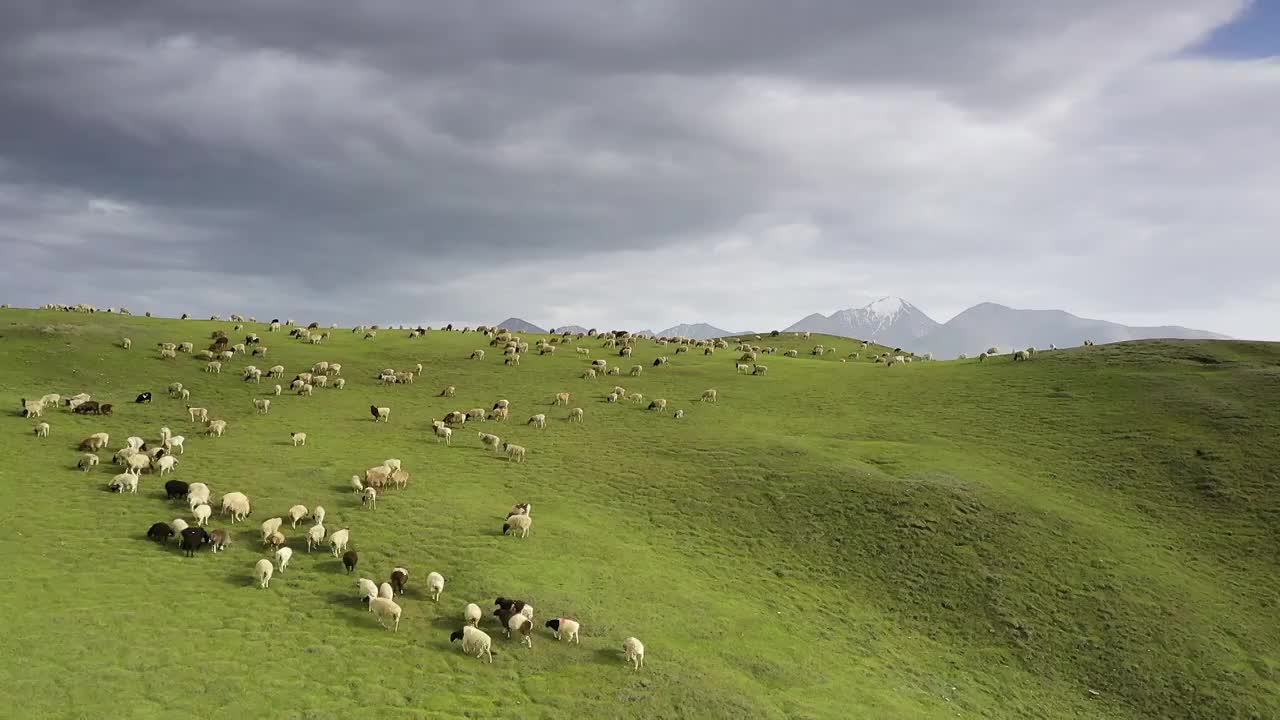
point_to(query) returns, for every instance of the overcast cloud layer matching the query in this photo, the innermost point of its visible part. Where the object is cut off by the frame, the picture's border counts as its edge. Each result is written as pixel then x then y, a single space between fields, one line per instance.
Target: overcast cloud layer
pixel 638 163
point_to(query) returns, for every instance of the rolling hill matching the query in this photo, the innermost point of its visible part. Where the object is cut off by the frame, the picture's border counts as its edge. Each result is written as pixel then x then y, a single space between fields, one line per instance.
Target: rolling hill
pixel 1094 533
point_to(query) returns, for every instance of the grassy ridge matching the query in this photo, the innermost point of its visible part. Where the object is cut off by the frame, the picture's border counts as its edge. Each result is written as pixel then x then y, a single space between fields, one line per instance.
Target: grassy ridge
pixel 1090 534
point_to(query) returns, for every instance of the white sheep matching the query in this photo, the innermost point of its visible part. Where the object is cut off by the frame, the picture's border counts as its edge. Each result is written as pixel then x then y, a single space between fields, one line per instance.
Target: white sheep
pixel 475 642
pixel 515 452
pixel 518 523
pixel 299 438
pixel 575 415
pixel 369 498
pixel 138 462
pixel 435 585
pixel 386 591
pixel 197 493
pixel 201 514
pixel 135 442
pixel 338 541
pixel 124 482
pixel 297 513
pixel 178 525
pixel 471 614
pixel 198 414
pixel 634 650
pixel 317 515
pixel 679 414
pixel 710 396
pixel 315 536
pixel 164 464
pixel 443 433
pixel 87 461
pixel 566 628
pixel 176 442
pixel 367 589
pixel 339 383
pixel 263 571
pixel 215 428
pixel 262 405
pixel 538 421
pixel 270 525
pixel 282 558
pixel 383 609
pixel 238 504
pixel 42 430
pixel 357 487
pixel 126 343
pixel 381 413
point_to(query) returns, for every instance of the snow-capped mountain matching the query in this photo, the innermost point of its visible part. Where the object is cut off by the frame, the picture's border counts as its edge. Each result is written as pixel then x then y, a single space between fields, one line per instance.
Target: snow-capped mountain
pixel 698 331
pixel 889 321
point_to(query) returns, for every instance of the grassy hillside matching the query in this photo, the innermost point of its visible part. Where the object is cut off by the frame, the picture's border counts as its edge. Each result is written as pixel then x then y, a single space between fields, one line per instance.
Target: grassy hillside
pixel 1094 533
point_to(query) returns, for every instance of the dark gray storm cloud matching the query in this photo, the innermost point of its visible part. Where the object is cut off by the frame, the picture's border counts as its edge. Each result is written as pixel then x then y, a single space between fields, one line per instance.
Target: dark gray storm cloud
pixel 634 163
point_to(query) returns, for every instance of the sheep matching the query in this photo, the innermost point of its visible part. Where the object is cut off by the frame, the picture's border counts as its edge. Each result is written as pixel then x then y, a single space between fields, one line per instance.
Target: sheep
pixel 443 433
pixel 636 397
pixel 176 489
pixel 493 442
pixel 126 343
pixel 164 464
pixel 338 541
pixel 435 585
pixel 198 414
pixel 475 641
pixel 380 413
pixel 197 492
pixel 192 540
pixel 561 399
pixel 661 360
pixel 576 415
pixel 306 389
pixel 512 620
pixel 500 414
pixel 477 355
pixel 760 370
pixel 710 396
pixel 384 608
pixel 317 515
pixel 566 627
pixel 455 417
pixel 216 428
pixel 275 371
pixel 178 442
pixel 634 651
pixel 369 498
pixel 270 526
pixel 298 438
pixel 335 369
pixel 42 430
pixel 201 514
pixel 743 368
pixel 366 589
pixel 33 408
pixel 386 591
pixel 518 523
pixel 615 370
pixel 982 357
pixel 538 421
pixel 514 452
pixel 274 540
pixel 357 486
pixel 449 391
pixel 679 414
pixel 377 476
pixel 238 504
pixel 283 556
pixel 471 614
pixel 87 461
pixel 399 578
pixel 349 560
pixel 658 404
pixel 168 355
pixel 159 532
pixel 134 442
pixel 219 540
pixel 400 479
pixel 95 442
pixel 263 571
pixel 1021 355
pixel 214 367
pixel 178 525
pixel 512 359
pixel 611 397
pixel 137 463
pixel 296 514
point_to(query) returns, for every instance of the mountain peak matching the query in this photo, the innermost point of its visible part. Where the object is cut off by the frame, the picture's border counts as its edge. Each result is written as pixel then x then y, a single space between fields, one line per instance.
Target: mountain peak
pixel 886 306
pixel 519 325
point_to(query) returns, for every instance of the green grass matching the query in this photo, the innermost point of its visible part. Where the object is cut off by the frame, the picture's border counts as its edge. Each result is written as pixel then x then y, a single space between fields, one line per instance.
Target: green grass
pixel 1094 533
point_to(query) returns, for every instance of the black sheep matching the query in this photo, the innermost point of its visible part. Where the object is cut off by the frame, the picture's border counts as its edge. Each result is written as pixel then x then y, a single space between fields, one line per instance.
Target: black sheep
pixel 87 407
pixel 350 559
pixel 143 398
pixel 176 489
pixel 160 532
pixel 398 580
pixel 192 539
pixel 373 409
pixel 105 409
pixel 512 606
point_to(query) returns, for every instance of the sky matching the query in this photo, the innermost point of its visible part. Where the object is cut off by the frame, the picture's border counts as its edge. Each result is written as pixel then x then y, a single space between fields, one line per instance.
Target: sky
pixel 641 163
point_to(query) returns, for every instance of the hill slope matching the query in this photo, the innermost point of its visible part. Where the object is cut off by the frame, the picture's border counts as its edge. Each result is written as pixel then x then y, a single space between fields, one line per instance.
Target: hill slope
pixel 1094 533
pixel 515 324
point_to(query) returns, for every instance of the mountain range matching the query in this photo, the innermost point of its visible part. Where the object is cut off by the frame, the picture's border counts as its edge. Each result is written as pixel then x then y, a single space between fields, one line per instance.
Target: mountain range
pixel 897 323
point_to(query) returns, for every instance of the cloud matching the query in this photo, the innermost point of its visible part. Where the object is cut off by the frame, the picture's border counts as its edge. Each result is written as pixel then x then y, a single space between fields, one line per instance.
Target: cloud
pixel 638 164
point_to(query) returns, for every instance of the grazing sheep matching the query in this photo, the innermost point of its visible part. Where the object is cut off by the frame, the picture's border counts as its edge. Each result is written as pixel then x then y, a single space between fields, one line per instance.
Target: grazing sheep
pixel 214 367
pixel 477 355
pixel 197 492
pixel 42 430
pixel 95 442
pixel 710 396
pixel 370 498
pixel 198 414
pixel 270 526
pixel 658 404
pixel 137 463
pixel 262 405
pixel 315 536
pixel 386 591
pixel 448 391
pixel 515 621
pixel 493 442
pixel 514 452
pixel 679 414
pixel 126 343
pixel 317 515
pixel 435 585
pixel 576 415
pixel 297 513
pixel 471 614
pixel 1021 355
pixel 176 441
pixel 216 428
pixel 634 651
pixel 636 370
pixel 475 642
pixel 282 558
pixel 566 627
pixel 760 370
pixel 274 540
pixel 159 532
pixel 338 541
pixel 380 413
pixel 201 514
pixel 538 421
pixel 357 486
pixel 299 438
pixel 743 368
pixel 143 398
pixel 443 433
pixel 518 523
pixel 366 589
pixel 192 540
pixel 87 461
pixel 263 571
pixel 176 489
pixel 306 389
pixel 219 540
pixel 384 609
pixel 349 560
pixel 982 357
pixel 399 578
pixel 165 464
pixel 561 399
pixel 238 504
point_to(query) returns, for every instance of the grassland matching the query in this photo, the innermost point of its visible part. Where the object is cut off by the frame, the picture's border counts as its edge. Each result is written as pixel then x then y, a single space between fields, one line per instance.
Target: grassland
pixel 1092 534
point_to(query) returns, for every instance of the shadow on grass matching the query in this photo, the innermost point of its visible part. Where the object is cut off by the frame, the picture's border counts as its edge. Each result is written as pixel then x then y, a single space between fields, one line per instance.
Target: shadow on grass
pixel 607 656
